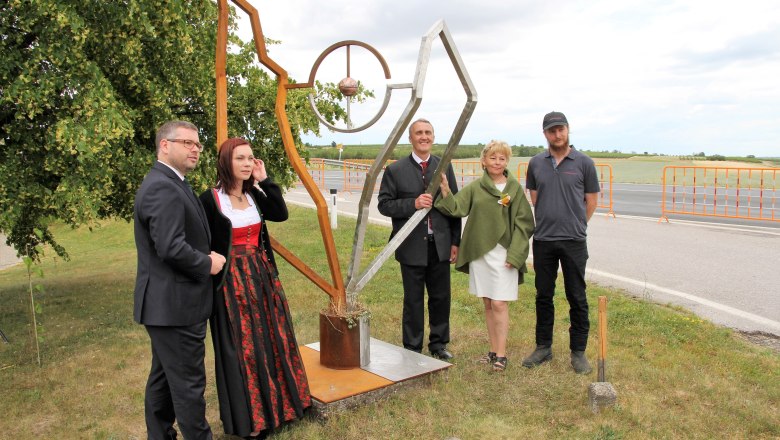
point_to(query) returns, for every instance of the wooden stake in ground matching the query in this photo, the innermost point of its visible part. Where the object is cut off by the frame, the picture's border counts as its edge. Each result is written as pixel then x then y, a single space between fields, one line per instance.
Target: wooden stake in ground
pixel 602 394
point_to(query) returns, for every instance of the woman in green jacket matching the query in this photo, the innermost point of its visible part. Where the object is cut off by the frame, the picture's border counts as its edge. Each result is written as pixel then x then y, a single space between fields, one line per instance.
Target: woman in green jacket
pixel 494 245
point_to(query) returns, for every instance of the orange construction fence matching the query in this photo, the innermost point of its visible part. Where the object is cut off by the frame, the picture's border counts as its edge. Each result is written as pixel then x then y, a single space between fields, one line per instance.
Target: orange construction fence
pixel 744 193
pixel 316 168
pixel 606 177
pixel 355 171
pixel 354 176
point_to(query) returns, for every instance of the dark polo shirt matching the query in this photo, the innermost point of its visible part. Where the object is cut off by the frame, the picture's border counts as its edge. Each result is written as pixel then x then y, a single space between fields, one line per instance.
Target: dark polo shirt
pixel 560 194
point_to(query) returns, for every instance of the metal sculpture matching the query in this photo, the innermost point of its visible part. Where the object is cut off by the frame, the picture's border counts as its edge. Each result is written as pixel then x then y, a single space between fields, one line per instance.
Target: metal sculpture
pixel 345 300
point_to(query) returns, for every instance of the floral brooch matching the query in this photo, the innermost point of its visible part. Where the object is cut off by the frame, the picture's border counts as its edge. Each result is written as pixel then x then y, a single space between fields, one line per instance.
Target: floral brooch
pixel 504 200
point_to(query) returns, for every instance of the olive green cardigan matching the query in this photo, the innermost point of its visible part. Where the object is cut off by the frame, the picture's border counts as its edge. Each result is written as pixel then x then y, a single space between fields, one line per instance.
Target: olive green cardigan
pixel 490 223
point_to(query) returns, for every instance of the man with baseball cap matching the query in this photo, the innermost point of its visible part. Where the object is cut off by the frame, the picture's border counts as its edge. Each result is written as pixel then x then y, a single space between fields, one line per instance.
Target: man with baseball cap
pixel 564 187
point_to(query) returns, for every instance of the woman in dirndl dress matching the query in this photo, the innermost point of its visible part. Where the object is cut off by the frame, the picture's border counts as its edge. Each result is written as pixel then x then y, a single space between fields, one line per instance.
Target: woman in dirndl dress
pixel 261 381
pixel 494 245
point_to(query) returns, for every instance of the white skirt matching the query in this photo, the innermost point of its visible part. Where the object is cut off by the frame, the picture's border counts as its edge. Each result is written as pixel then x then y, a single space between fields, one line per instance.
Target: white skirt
pixel 489 278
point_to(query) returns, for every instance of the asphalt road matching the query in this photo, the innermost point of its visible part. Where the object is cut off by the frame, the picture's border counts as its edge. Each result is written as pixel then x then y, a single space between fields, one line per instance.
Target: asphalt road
pixel 7 254
pixel 646 201
pixel 726 273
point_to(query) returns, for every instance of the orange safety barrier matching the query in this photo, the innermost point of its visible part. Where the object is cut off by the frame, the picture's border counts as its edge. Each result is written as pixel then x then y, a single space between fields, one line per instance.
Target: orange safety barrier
pixel 355 171
pixel 467 171
pixel 744 193
pixel 316 169
pixel 606 177
pixel 604 171
pixel 522 171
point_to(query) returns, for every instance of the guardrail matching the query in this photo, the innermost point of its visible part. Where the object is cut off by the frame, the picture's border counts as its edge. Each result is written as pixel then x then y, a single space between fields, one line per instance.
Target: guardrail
pixel 730 192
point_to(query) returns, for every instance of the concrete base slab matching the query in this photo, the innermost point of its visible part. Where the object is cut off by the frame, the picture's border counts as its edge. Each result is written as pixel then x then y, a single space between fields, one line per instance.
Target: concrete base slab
pixel 391 370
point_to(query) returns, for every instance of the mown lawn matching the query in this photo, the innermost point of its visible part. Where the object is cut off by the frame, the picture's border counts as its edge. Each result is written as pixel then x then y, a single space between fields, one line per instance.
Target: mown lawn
pixel 676 375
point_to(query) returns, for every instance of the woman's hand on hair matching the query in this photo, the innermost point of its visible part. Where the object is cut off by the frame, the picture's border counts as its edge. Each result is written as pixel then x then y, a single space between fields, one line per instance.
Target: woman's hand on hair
pixel 258 172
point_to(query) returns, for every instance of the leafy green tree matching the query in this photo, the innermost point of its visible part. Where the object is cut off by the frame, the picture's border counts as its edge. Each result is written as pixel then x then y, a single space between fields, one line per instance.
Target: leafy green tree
pixel 85 83
pixel 526 150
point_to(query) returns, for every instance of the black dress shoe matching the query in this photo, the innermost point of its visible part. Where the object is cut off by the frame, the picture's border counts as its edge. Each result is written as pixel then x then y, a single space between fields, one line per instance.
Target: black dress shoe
pixel 442 354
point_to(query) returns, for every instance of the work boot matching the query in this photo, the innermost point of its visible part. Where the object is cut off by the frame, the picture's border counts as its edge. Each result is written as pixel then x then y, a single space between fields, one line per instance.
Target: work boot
pixel 538 357
pixel 580 363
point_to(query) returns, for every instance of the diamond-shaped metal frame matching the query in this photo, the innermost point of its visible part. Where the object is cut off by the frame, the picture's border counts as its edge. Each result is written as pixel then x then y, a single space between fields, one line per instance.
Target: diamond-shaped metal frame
pixel 356 283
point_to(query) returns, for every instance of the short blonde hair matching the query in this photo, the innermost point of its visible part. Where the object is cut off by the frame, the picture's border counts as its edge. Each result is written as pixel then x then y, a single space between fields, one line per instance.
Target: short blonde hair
pixel 494 146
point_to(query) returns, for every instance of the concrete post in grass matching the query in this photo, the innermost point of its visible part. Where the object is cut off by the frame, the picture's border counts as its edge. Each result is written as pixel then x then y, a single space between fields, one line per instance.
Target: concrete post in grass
pixel 601 395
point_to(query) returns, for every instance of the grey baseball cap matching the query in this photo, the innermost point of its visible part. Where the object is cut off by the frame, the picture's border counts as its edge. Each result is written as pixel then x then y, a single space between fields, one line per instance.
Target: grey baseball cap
pixel 554 118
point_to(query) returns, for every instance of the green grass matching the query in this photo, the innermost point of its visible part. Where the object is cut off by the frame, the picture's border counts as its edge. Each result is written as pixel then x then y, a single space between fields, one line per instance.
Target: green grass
pixel 676 375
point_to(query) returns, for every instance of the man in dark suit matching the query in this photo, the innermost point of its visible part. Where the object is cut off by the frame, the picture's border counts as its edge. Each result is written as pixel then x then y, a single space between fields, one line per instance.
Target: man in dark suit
pixel 173 295
pixel 432 246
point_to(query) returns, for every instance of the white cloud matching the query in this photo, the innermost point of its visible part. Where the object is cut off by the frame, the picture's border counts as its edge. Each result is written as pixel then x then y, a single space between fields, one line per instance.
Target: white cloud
pixel 669 76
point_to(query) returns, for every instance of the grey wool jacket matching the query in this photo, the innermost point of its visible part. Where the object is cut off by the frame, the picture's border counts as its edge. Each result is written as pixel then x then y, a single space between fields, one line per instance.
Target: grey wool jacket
pixel 489 222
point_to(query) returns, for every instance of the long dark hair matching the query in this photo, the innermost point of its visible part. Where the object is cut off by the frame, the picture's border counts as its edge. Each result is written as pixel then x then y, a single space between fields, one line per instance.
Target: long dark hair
pixel 226 179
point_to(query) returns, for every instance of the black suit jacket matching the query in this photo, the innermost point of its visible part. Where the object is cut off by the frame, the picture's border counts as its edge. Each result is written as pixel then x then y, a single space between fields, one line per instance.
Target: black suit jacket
pixel 401 184
pixel 173 282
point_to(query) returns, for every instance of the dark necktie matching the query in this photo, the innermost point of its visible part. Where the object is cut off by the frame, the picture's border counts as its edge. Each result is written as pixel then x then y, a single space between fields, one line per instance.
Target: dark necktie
pixel 195 199
pixel 189 187
pixel 424 166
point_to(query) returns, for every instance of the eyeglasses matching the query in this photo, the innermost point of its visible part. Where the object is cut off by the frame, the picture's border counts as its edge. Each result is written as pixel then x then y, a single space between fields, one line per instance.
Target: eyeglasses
pixel 188 144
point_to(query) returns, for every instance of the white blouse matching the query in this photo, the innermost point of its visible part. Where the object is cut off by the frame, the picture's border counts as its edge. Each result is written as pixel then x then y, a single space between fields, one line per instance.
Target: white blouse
pixel 238 217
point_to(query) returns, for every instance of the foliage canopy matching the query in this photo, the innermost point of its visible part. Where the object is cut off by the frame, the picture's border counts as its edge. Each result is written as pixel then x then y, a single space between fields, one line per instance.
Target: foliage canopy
pixel 84 84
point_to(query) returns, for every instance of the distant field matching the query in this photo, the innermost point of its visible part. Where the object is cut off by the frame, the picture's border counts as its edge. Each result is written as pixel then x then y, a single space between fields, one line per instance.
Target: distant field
pixel 626 168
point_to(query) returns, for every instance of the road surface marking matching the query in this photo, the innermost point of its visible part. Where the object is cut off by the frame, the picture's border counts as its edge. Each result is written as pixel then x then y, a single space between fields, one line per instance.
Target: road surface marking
pixel 688 296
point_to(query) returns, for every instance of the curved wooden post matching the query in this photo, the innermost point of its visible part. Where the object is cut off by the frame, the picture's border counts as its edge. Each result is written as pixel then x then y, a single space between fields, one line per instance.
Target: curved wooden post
pixel 335 290
pixel 221 59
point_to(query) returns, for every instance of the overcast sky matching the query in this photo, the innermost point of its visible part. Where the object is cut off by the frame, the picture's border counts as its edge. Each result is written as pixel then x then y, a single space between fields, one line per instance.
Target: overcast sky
pixel 673 76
